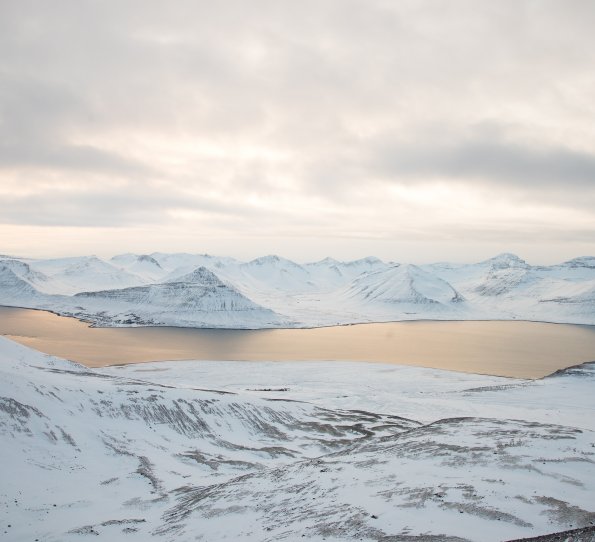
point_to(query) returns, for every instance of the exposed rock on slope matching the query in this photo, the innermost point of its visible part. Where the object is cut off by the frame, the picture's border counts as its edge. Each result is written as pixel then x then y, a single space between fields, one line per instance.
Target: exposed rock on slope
pixel 503 274
pixel 198 297
pixel 583 262
pixel 506 261
pixel 201 275
pixel 12 287
pixel 327 292
pixel 143 265
pixel 23 271
pixel 93 453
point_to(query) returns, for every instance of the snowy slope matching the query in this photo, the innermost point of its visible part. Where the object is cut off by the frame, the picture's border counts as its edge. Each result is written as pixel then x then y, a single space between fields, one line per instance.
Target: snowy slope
pixel 507 287
pixel 180 264
pixel 71 275
pixel 330 273
pixel 144 266
pixel 403 284
pixel 23 271
pixel 273 272
pixel 420 393
pixel 197 299
pixel 328 292
pixel 13 288
pixel 136 453
pixel 581 263
pixel 309 295
pixel 504 274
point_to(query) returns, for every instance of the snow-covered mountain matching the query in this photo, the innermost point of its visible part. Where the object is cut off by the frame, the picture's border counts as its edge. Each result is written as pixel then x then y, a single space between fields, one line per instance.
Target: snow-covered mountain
pixel 507 287
pixel 584 262
pixel 504 275
pixel 144 266
pixel 403 284
pixel 198 298
pixel 200 275
pixel 192 449
pixel 330 274
pixel 179 264
pixel 363 265
pixel 273 272
pixel 14 288
pixel 71 275
pixel 23 270
pixel 326 292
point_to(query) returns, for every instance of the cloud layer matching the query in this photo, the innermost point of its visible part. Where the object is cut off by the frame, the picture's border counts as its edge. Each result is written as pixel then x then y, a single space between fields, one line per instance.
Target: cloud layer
pixel 408 122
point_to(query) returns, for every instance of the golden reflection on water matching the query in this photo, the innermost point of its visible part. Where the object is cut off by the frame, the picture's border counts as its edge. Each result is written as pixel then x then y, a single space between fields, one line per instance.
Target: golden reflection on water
pixel 517 349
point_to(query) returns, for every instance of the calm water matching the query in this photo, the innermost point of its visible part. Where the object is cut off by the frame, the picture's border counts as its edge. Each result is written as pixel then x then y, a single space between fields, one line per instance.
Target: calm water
pixel 521 349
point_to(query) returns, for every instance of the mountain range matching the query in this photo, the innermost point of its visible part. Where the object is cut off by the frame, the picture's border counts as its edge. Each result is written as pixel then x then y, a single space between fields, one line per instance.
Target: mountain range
pixel 200 290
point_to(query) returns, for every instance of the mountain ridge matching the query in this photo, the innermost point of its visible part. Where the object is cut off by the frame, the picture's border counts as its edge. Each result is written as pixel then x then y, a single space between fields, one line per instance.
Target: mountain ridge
pixel 135 289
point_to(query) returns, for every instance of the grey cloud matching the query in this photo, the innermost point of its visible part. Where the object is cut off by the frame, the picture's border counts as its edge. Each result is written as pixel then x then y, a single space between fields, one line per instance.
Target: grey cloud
pixel 46 154
pixel 316 65
pixel 492 161
pixel 127 206
pixel 500 165
pixel 518 232
pixel 35 118
pixel 343 91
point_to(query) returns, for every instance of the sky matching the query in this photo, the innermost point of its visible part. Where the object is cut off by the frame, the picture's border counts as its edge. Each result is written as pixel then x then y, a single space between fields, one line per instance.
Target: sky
pixel 412 130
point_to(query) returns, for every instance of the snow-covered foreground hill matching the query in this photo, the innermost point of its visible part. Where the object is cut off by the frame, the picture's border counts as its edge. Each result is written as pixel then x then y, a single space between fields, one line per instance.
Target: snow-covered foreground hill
pixel 206 291
pixel 267 452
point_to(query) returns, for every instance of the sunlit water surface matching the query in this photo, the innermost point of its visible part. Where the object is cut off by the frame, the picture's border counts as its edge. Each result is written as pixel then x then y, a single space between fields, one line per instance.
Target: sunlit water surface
pixel 517 349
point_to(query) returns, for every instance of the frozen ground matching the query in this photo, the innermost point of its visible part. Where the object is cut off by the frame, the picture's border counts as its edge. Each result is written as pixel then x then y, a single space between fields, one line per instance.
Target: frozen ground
pixel 279 451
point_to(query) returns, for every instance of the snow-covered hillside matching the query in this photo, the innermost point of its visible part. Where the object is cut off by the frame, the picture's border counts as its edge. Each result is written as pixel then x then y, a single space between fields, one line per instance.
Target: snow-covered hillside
pixel 507 287
pixel 327 292
pixel 14 287
pixel 266 452
pixel 197 298
pixel 24 272
pixel 403 284
pixel 144 266
pixel 68 276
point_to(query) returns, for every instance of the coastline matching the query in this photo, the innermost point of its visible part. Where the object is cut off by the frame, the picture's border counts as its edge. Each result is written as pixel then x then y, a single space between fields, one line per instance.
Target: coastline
pixel 523 349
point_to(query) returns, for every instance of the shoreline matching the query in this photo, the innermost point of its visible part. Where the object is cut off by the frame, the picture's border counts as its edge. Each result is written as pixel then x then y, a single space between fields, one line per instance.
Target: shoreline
pixel 525 350
pixel 91 325
pixel 388 364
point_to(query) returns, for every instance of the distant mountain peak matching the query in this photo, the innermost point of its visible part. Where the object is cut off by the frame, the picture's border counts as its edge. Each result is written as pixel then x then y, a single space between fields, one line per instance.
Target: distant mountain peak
pixel 582 261
pixel 201 275
pixel 13 285
pixel 270 258
pixel 326 261
pixel 404 283
pixel 368 260
pixel 148 259
pixel 506 259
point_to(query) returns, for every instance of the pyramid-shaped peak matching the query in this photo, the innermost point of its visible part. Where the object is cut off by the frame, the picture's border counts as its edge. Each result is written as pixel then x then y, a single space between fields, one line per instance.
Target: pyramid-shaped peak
pixel 201 275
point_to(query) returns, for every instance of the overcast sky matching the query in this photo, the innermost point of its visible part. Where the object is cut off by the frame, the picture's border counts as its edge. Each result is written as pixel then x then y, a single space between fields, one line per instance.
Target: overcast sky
pixel 416 131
